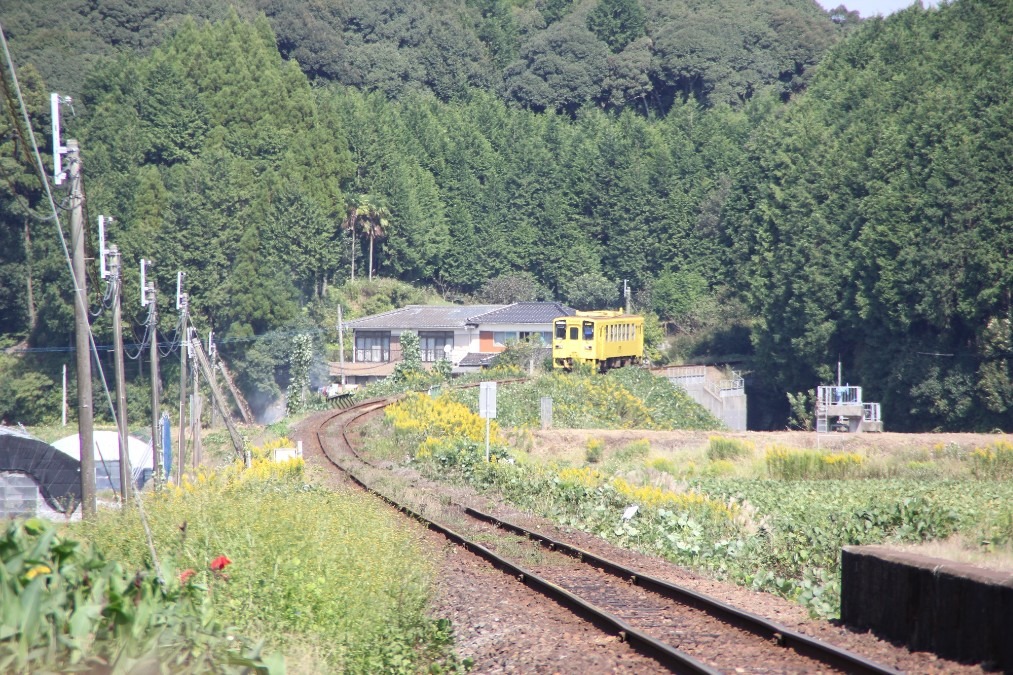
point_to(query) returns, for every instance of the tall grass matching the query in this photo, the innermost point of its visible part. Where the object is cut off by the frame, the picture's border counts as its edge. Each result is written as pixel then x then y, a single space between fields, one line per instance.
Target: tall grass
pixel 730 449
pixel 792 464
pixel 329 577
pixel 993 462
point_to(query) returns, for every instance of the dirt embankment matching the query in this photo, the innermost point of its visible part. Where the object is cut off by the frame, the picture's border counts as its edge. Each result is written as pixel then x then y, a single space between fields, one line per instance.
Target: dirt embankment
pixel 570 444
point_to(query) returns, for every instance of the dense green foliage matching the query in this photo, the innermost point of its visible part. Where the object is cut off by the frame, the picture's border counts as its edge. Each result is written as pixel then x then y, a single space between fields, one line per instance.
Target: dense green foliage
pixel 545 54
pixel 873 220
pixel 627 398
pixel 66 606
pixel 349 595
pixel 516 149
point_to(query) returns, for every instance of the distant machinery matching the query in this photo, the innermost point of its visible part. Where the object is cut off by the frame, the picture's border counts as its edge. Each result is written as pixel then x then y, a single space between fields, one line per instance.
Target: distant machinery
pixel 840 408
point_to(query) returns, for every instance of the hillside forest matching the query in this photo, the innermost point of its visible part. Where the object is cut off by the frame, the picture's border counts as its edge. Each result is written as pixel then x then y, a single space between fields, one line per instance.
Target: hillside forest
pixel 783 188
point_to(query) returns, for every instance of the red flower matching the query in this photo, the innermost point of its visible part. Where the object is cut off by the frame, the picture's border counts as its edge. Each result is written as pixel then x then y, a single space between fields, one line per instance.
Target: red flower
pixel 220 563
pixel 184 576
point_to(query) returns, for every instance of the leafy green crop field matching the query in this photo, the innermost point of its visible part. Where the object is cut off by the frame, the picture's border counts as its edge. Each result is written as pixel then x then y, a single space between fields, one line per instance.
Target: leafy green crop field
pixel 774 519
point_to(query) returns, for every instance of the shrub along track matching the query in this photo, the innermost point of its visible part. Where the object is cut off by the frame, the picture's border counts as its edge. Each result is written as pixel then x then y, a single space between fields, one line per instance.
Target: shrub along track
pixel 680 629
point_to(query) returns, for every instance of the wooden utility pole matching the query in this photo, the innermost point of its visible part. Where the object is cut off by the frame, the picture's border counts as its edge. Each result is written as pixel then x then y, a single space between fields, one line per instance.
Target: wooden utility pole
pixel 156 438
pixel 244 408
pixel 341 348
pixel 212 353
pixel 182 303
pixel 195 412
pixel 85 414
pixel 201 361
pixel 121 383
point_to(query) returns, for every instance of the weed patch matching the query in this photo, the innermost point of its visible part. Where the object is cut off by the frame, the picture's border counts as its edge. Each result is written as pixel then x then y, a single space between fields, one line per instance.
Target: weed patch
pixel 351 589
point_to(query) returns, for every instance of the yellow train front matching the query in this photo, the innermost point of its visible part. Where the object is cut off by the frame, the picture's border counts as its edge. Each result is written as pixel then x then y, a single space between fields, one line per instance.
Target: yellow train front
pixel 603 339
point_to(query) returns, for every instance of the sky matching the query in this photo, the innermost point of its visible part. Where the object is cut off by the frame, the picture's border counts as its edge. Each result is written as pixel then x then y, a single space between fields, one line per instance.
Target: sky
pixel 869 8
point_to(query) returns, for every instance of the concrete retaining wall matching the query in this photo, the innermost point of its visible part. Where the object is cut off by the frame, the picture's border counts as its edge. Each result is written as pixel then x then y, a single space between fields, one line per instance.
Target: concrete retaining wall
pixel 957 611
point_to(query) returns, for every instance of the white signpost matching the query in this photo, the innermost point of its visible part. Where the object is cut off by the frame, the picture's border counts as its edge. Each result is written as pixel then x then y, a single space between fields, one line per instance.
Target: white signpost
pixel 487 408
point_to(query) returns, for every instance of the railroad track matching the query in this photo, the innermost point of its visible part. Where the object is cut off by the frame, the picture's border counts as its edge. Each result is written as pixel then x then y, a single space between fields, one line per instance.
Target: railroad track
pixel 681 629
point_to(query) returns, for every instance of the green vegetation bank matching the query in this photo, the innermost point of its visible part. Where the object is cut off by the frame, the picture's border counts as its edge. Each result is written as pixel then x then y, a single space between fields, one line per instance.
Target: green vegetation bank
pixel 776 182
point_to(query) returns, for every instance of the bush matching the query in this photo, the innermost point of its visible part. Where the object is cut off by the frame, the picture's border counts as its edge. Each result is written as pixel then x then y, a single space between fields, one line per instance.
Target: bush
pixel 993 462
pixel 66 605
pixel 304 594
pixel 593 450
pixel 791 464
pixel 634 452
pixel 719 448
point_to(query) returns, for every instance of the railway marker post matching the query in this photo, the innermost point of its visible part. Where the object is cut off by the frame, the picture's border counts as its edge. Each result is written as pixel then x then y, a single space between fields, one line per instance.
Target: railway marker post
pixel 487 408
pixel 546 410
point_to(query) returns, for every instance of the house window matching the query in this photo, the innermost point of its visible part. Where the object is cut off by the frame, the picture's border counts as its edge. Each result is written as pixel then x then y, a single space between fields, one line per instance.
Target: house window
pixel 537 337
pixel 432 344
pixel 372 346
pixel 500 338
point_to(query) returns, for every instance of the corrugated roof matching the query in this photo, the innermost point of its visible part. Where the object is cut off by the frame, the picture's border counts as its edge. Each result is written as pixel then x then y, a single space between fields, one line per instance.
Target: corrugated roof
pixel 422 316
pixel 524 312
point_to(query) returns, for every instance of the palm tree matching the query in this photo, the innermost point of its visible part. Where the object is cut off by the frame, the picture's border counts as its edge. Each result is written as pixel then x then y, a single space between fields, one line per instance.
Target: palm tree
pixel 373 219
pixel 349 224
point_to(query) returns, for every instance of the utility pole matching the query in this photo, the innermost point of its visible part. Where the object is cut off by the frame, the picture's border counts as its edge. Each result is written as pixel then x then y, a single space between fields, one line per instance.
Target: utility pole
pixel 121 384
pixel 195 412
pixel 149 297
pixel 201 361
pixel 85 414
pixel 181 305
pixel 341 348
pixel 212 354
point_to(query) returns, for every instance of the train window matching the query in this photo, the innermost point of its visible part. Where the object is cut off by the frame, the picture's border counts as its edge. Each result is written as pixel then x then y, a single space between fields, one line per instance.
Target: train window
pixel 573 332
pixel 588 330
pixel 560 330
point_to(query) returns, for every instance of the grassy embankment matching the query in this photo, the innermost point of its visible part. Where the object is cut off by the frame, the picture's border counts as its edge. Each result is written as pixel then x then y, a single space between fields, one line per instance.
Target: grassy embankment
pixel 333 581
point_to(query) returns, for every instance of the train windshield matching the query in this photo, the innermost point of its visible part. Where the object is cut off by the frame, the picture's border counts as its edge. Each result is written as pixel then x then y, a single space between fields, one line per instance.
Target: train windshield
pixel 588 330
pixel 560 330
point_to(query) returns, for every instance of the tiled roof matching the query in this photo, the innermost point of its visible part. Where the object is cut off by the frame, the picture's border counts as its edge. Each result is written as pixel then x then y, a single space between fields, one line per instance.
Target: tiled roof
pixel 524 312
pixel 422 316
pixel 475 359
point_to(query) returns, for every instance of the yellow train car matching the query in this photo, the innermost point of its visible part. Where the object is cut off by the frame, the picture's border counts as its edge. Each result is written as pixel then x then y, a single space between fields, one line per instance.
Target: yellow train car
pixel 603 339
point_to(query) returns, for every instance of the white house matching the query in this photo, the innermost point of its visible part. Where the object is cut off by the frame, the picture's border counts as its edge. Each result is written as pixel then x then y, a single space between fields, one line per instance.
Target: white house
pixel 467 335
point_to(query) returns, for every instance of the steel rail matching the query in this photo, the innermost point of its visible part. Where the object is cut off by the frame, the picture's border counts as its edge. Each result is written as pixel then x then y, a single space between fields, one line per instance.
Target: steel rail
pixel 781 635
pixel 666 655
pixel 804 645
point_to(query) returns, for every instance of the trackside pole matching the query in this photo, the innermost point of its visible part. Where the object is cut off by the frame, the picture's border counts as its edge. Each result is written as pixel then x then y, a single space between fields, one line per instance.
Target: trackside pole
pixel 487 408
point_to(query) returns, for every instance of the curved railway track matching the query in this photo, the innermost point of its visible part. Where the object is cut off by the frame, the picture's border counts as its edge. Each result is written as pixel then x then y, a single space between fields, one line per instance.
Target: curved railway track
pixel 681 629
